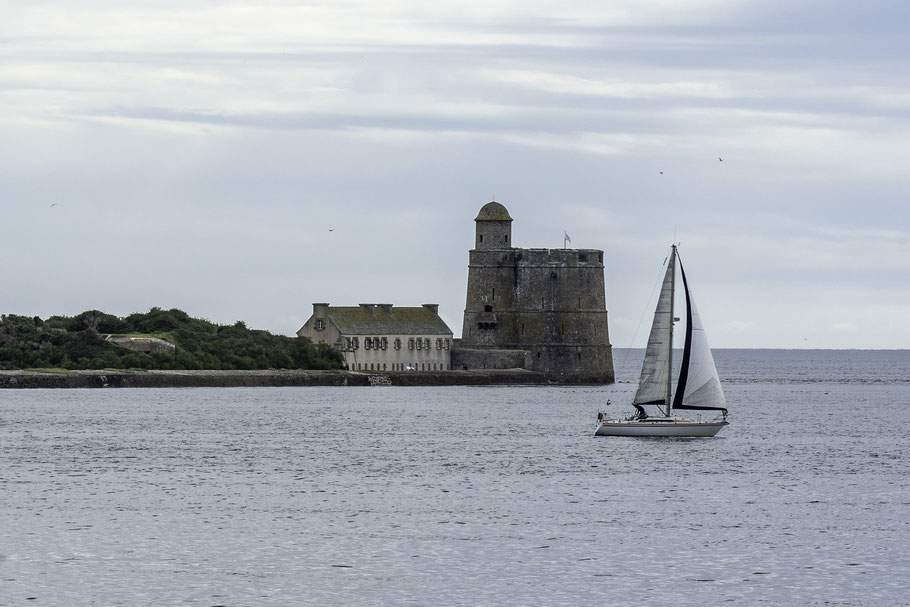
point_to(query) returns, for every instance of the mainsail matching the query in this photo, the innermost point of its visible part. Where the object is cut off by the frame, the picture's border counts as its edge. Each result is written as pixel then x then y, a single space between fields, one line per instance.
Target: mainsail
pixel 653 385
pixel 699 385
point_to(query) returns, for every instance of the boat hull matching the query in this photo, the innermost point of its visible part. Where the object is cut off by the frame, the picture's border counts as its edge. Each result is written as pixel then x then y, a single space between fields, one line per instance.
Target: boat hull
pixel 647 428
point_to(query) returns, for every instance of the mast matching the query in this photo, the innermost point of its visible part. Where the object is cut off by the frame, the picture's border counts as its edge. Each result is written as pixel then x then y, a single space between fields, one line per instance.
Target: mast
pixel 670 356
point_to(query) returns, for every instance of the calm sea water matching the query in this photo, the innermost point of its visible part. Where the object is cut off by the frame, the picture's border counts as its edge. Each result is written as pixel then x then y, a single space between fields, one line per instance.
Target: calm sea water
pixel 462 496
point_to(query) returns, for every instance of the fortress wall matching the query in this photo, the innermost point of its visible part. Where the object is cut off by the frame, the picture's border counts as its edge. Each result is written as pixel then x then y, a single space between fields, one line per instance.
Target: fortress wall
pixel 478 358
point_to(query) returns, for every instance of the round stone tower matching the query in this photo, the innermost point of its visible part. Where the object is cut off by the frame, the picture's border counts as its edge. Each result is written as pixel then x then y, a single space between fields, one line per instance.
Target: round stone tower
pixel 538 309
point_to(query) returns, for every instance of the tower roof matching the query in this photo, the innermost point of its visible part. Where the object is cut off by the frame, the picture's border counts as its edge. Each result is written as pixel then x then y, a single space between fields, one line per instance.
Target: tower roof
pixel 493 211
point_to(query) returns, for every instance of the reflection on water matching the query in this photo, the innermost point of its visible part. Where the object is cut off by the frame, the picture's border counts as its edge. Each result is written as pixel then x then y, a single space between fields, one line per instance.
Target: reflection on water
pixel 459 496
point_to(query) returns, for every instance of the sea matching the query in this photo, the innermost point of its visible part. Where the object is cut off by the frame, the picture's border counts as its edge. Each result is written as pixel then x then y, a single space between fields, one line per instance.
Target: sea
pixel 462 495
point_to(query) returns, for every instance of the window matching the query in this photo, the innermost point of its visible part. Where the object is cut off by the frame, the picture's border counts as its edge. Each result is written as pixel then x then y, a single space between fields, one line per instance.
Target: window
pixel 419 343
pixel 397 343
pixel 410 343
pixel 320 324
pixel 446 344
pixel 355 343
pixel 367 343
pixel 384 343
pixel 488 308
pixel 347 343
pixel 439 343
pixel 426 343
pixel 480 238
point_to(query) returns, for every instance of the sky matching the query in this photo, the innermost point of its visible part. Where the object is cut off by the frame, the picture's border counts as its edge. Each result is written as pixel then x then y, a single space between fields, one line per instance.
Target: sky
pixel 243 160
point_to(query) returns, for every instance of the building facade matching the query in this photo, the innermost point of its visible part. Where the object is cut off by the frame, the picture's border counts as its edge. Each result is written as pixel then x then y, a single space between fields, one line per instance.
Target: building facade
pixel 381 337
pixel 542 308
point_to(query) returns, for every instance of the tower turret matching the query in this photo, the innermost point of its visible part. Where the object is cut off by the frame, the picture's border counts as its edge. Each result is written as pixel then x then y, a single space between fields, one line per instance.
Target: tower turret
pixel 493 227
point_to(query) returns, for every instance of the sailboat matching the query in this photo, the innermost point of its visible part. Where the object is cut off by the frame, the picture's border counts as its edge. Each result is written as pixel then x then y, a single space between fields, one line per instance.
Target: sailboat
pixel 697 388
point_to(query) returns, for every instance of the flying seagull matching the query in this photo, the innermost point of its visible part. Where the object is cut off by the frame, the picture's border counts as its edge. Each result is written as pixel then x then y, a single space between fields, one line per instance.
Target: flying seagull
pixel 53 204
pixel 719 158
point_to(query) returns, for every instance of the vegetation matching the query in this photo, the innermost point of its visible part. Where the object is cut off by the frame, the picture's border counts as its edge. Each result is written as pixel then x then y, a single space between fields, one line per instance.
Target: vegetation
pixel 79 342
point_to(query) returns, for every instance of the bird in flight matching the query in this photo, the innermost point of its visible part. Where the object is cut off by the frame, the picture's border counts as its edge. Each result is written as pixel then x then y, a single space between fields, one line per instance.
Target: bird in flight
pixel 53 204
pixel 719 158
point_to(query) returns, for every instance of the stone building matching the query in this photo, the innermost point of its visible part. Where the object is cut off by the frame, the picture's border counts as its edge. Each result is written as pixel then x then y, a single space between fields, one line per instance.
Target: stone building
pixel 381 337
pixel 539 309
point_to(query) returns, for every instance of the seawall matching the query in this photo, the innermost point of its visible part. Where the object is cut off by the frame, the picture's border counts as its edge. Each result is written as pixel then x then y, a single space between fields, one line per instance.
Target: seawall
pixel 236 379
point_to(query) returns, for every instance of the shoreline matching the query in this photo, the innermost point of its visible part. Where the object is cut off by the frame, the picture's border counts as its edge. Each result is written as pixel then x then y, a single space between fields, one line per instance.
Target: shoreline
pixel 271 378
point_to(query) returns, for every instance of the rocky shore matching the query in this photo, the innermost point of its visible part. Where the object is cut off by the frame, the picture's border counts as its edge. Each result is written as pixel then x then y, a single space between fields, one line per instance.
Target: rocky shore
pixel 234 379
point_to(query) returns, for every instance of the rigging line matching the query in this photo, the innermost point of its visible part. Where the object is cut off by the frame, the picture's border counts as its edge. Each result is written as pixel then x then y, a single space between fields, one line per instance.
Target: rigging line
pixel 647 307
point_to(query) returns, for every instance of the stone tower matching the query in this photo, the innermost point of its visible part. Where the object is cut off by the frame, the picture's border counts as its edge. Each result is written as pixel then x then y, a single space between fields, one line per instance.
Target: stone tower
pixel 539 309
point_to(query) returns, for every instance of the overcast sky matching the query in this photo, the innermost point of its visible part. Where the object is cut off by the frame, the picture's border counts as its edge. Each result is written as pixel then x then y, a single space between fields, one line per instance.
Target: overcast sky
pixel 242 160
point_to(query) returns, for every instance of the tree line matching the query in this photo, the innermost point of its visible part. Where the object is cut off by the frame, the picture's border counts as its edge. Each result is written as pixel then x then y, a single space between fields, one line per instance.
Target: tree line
pixel 79 342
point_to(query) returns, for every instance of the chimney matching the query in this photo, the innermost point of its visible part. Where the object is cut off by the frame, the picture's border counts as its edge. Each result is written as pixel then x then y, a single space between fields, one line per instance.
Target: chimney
pixel 387 308
pixel 434 308
pixel 320 309
pixel 370 307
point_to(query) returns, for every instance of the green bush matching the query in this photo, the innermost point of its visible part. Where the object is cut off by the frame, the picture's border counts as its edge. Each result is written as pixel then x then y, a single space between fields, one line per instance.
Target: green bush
pixel 79 342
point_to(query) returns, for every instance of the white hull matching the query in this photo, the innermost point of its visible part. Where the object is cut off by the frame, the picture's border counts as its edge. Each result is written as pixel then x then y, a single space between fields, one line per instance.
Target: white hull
pixel 658 427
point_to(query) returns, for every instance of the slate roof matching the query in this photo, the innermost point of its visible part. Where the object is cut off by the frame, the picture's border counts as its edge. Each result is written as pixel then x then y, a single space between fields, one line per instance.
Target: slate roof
pixel 358 320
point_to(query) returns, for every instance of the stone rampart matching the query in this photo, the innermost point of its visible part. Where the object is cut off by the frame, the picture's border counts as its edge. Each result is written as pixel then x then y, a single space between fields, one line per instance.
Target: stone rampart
pixel 234 379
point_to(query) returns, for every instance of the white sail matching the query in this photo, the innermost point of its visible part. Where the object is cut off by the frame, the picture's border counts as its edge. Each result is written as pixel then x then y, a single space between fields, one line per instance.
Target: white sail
pixel 652 385
pixel 703 384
